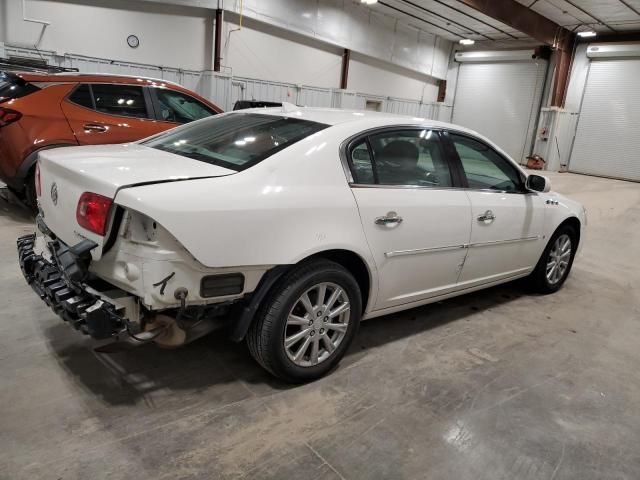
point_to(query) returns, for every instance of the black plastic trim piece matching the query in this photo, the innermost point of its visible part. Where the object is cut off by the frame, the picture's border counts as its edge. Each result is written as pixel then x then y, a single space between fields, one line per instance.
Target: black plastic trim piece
pixel 221 285
pixel 241 327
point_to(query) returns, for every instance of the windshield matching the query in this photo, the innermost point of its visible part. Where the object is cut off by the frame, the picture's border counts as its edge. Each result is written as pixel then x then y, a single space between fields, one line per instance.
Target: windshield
pixel 236 141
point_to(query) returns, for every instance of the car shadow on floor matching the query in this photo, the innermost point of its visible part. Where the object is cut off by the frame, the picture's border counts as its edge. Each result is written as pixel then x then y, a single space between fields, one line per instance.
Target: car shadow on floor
pixel 12 208
pixel 132 376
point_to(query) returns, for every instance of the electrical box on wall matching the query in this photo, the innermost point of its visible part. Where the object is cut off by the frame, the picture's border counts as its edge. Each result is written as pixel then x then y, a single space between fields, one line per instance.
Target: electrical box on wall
pixel 553 142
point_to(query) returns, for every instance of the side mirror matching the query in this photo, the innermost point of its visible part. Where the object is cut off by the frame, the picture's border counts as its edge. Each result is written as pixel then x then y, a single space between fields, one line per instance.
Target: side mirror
pixel 538 183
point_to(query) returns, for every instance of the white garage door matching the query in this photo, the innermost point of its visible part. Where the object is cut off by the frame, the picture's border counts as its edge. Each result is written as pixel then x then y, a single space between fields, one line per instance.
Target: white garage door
pixel 607 140
pixel 501 100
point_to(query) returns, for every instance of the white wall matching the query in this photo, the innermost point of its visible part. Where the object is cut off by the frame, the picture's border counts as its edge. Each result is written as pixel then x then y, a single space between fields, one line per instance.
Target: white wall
pixel 374 77
pixel 181 37
pixel 169 35
pixel 350 24
pixel 3 20
pixel 262 51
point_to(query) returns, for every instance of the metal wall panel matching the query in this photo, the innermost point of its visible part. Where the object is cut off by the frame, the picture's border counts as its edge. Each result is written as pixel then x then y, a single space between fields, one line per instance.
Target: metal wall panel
pixel 314 97
pixel 348 24
pixel 347 100
pixel 224 90
pixel 501 100
pixel 608 134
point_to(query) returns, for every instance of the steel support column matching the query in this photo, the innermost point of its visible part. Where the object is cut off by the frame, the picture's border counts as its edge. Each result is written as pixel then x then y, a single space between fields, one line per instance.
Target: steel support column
pixel 344 73
pixel 538 27
pixel 217 46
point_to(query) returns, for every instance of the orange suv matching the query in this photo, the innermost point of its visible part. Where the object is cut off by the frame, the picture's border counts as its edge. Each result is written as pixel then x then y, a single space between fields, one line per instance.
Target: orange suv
pixel 39 111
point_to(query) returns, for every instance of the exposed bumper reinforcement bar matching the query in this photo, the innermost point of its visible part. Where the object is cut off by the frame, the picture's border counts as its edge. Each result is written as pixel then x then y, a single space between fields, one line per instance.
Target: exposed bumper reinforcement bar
pixel 75 303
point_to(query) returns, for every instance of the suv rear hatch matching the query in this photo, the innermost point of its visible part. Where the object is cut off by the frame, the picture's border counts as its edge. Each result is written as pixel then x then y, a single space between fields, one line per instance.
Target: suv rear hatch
pixel 66 173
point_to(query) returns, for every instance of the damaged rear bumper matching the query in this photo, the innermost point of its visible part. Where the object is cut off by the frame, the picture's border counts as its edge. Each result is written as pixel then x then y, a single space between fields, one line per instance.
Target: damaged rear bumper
pixel 75 302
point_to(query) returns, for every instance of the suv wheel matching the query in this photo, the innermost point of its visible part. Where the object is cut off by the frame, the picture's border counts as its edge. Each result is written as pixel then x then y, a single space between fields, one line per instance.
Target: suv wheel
pixel 307 322
pixel 29 192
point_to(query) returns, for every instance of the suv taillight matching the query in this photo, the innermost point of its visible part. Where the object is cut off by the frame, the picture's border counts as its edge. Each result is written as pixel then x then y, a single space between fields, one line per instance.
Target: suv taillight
pixel 37 180
pixel 8 116
pixel 93 212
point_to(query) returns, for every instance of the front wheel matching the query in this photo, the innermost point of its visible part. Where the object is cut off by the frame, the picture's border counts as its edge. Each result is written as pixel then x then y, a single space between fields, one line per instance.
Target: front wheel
pixel 555 263
pixel 307 322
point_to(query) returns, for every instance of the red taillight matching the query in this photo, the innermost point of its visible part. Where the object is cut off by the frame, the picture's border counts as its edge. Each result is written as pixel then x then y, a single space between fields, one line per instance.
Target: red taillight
pixel 37 180
pixel 93 212
pixel 8 116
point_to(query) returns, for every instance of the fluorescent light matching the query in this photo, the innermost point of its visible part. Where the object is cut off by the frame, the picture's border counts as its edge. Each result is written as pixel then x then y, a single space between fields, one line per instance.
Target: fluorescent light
pixel 589 33
pixel 467 41
pixel 369 2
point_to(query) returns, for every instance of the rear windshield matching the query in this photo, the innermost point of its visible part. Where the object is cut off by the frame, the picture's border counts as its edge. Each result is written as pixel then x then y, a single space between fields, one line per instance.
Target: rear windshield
pixel 236 141
pixel 12 86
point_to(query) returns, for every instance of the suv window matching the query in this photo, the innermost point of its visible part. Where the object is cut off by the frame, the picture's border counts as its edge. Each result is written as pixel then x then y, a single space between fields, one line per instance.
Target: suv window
pixel 180 108
pixel 484 167
pixel 82 96
pixel 403 157
pixel 12 86
pixel 121 100
pixel 235 141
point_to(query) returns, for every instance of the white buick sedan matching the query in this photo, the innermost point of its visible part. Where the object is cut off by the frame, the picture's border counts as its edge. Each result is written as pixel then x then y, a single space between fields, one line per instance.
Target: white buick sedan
pixel 286 227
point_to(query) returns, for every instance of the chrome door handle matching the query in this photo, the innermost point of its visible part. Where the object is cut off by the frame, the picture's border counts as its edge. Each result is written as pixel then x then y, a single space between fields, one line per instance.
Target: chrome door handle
pixel 390 218
pixel 487 216
pixel 93 127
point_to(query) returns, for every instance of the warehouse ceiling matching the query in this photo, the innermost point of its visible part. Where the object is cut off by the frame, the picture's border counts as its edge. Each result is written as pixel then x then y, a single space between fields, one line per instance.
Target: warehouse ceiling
pixel 454 20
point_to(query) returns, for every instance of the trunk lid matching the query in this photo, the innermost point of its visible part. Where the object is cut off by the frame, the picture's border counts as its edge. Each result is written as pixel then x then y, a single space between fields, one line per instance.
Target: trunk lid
pixel 66 173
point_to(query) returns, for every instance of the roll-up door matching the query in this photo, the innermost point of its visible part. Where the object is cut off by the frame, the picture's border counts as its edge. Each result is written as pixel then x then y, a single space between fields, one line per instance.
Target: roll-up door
pixel 607 141
pixel 501 100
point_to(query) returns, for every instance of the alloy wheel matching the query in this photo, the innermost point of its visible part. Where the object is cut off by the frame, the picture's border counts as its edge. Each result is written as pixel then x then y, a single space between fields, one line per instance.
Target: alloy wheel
pixel 558 260
pixel 317 324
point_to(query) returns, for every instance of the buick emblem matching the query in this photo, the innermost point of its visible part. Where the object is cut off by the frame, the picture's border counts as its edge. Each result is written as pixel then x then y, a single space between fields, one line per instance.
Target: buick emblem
pixel 54 193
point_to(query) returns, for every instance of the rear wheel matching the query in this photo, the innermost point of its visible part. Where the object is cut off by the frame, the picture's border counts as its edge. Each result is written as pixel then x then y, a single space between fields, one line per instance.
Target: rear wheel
pixel 307 322
pixel 29 192
pixel 555 263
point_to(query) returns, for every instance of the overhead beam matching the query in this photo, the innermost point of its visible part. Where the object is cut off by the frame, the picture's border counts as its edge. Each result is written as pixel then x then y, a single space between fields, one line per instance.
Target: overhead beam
pixel 539 28
pixel 524 20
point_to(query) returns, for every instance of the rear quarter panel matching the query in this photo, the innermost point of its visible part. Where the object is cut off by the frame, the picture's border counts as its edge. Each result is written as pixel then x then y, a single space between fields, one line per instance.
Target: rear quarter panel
pixel 42 125
pixel 286 208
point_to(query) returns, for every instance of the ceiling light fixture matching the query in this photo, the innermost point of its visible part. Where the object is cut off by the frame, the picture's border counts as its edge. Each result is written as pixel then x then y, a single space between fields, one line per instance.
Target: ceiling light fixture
pixel 369 2
pixel 467 41
pixel 589 33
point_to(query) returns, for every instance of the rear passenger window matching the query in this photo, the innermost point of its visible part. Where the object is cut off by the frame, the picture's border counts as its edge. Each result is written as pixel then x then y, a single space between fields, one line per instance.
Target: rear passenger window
pixel 361 164
pixel 82 96
pixel 402 157
pixel 122 100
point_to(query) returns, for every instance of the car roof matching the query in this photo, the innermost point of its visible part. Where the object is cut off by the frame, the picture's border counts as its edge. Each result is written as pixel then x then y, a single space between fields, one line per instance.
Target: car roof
pixel 335 116
pixel 77 77
pixel 91 77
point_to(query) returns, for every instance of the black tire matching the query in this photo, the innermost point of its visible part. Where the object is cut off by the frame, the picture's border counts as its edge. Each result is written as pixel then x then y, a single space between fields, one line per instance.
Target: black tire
pixel 29 192
pixel 266 335
pixel 538 280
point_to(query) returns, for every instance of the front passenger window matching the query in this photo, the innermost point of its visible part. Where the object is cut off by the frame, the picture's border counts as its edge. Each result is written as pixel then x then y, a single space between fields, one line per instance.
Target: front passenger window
pixel 179 108
pixel 484 168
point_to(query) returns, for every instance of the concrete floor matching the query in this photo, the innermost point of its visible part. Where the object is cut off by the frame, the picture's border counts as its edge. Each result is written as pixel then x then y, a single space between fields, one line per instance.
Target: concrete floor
pixel 496 384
